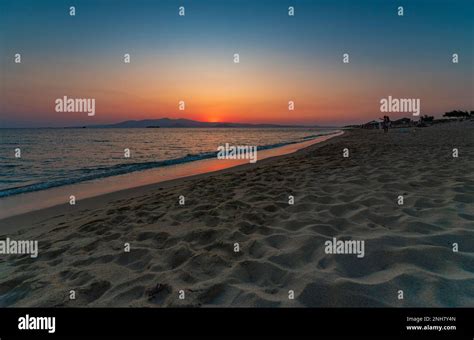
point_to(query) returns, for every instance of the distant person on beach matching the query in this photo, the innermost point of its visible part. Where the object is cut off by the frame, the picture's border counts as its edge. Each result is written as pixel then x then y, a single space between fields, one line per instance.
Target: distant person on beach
pixel 385 123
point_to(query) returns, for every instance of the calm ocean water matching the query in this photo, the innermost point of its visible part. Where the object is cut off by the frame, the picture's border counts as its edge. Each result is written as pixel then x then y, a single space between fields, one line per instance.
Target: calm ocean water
pixel 56 157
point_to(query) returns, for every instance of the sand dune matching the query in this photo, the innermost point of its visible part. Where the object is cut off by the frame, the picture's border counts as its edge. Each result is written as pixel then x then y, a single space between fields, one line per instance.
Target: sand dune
pixel 191 247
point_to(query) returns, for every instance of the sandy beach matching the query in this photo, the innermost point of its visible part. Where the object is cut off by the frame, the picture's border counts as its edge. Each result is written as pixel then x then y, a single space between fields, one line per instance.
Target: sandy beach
pixel 190 247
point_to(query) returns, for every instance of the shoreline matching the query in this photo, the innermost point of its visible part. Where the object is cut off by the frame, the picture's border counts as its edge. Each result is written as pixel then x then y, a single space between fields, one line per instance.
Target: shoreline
pixel 129 167
pixel 147 180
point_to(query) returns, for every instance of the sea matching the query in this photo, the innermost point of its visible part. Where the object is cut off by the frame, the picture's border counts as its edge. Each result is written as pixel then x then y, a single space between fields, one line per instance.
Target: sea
pixel 38 159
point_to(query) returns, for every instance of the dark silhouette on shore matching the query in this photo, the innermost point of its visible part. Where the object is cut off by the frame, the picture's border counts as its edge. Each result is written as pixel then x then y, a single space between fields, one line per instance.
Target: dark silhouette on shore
pixel 423 121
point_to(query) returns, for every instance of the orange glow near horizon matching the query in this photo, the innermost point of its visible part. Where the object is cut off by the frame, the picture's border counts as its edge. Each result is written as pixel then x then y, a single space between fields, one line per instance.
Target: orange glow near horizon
pixel 257 92
pixel 212 119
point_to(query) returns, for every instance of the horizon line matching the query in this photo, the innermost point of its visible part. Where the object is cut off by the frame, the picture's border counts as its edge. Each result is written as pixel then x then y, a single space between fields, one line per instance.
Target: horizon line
pixel 199 121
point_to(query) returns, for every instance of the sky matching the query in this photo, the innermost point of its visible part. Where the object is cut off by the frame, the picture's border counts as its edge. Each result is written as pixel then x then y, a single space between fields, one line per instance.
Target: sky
pixel 191 58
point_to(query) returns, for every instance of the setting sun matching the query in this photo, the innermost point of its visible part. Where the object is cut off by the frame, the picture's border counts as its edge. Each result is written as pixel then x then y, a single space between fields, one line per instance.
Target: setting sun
pixel 212 119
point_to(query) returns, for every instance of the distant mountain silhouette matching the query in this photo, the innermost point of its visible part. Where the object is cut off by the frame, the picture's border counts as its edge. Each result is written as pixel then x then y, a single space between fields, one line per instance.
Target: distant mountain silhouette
pixel 184 123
